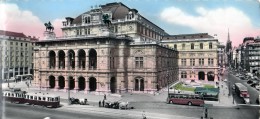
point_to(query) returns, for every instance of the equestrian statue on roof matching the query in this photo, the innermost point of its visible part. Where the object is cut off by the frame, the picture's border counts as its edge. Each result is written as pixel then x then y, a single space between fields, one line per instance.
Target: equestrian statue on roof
pixel 106 20
pixel 49 27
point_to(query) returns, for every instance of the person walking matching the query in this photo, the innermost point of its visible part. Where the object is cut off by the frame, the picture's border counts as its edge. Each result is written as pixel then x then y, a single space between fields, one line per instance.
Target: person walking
pixel 103 103
pixel 99 103
pixel 105 97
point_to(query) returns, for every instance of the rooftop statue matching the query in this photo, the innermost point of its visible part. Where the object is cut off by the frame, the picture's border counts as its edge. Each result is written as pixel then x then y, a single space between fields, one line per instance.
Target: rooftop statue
pixel 49 27
pixel 106 20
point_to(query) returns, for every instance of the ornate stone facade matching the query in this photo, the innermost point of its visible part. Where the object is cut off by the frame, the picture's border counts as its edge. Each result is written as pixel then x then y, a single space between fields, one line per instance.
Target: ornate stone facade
pixel 198 56
pixel 104 64
pixel 124 56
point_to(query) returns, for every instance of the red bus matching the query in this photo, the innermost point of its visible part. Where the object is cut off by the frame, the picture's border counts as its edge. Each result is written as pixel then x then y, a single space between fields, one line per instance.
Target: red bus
pixel 242 91
pixel 185 99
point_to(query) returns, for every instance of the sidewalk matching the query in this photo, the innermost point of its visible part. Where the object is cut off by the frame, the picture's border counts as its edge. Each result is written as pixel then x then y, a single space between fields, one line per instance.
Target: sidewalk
pixel 224 99
pixel 120 113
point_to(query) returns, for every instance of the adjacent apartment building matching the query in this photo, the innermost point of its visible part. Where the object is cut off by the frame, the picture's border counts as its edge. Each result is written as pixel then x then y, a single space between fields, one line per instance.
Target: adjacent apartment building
pixel 198 55
pixel 16 55
pixel 123 55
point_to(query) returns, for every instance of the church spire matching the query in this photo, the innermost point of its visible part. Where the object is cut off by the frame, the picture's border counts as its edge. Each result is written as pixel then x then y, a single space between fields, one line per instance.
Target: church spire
pixel 228 36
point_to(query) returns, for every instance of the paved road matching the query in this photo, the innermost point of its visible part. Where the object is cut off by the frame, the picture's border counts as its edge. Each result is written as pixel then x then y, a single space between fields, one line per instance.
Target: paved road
pixel 252 91
pixel 21 111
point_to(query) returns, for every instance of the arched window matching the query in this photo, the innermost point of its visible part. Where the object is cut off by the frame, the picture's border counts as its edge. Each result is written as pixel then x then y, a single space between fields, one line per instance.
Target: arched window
pixel 210 45
pixel 201 45
pixel 192 46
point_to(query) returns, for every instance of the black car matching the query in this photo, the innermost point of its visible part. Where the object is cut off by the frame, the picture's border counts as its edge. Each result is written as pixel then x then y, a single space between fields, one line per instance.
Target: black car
pixel 74 101
pixel 249 82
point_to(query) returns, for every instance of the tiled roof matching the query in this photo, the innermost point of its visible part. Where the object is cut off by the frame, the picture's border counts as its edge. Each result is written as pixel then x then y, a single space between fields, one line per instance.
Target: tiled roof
pixel 14 34
pixel 118 9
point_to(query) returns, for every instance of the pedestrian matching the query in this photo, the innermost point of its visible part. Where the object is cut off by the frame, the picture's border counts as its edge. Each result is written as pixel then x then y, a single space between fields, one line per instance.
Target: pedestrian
pixel 105 97
pixel 103 103
pixel 99 103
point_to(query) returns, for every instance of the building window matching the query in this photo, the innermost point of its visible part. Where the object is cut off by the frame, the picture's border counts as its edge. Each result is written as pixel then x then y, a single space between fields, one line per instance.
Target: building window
pixel 87 31
pixel 183 74
pixel 192 46
pixel 175 46
pixel 192 62
pixel 201 62
pixel 26 44
pixel 210 62
pixel 183 46
pixel 21 44
pixel 78 32
pixel 11 43
pixel 201 45
pixel 87 20
pixel 16 43
pixel 183 62
pixel 210 45
pixel 138 62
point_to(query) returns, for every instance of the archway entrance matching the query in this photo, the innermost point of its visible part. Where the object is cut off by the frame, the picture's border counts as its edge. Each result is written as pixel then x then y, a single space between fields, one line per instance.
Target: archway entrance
pixel 139 84
pixel 71 83
pixel 113 85
pixel 92 84
pixel 81 83
pixel 61 59
pixel 92 59
pixel 61 82
pixel 201 75
pixel 51 81
pixel 52 59
pixel 211 76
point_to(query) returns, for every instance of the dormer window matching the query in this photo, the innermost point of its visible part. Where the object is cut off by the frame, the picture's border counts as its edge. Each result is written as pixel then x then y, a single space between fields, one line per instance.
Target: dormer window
pixel 130 15
pixel 87 19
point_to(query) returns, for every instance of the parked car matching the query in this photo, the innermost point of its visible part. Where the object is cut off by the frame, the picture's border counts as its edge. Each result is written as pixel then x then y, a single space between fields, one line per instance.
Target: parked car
pixel 249 82
pixel 74 101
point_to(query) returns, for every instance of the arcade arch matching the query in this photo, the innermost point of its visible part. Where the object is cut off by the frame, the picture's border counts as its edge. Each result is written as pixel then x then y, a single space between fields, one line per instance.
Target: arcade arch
pixel 92 84
pixel 201 75
pixel 113 85
pixel 92 59
pixel 61 82
pixel 61 55
pixel 52 59
pixel 51 81
pixel 210 76
pixel 81 83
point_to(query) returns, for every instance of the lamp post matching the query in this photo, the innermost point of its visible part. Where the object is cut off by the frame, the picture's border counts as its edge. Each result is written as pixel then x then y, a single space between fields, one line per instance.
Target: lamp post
pixel 69 77
pixel 167 76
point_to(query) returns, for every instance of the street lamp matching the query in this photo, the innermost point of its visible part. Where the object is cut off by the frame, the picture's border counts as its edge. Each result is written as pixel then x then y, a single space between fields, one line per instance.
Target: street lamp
pixel 69 78
pixel 167 76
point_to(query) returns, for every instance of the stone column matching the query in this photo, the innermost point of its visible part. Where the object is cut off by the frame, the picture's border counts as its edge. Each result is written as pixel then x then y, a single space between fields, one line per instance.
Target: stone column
pixel 67 63
pixel 57 62
pixel 66 84
pixel 76 88
pixel 56 84
pixel 76 61
pixel 86 86
pixel 206 76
